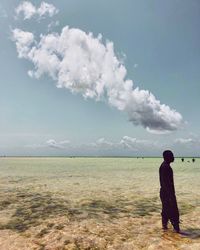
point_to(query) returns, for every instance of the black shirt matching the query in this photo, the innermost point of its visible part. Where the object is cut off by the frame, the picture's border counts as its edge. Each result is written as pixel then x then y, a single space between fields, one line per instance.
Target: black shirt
pixel 166 180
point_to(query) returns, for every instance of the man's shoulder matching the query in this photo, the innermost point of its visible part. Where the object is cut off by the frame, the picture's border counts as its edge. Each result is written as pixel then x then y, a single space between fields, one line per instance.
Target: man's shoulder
pixel 164 166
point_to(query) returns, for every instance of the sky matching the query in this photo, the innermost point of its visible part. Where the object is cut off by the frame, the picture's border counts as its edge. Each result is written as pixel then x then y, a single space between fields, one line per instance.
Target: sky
pixel 99 78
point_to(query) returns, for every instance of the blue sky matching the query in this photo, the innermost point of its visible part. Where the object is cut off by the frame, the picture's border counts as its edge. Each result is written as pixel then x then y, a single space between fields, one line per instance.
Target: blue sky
pixel 98 110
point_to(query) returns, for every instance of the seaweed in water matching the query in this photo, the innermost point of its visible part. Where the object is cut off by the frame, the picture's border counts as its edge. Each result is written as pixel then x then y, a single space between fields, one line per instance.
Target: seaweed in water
pixel 32 208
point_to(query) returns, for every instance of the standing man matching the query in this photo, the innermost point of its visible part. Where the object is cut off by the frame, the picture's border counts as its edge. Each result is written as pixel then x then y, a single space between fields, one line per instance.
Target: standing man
pixel 167 193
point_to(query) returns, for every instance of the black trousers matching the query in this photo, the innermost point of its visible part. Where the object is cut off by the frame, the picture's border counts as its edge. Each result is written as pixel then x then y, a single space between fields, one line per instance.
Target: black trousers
pixel 169 210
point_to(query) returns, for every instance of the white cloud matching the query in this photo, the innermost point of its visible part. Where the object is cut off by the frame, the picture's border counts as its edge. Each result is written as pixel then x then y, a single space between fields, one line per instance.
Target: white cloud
pixel 28 10
pixel 99 144
pixel 47 9
pixel 126 146
pixel 52 144
pixel 187 146
pixel 103 142
pixel 84 64
pixel 59 145
pixel 137 144
pixel 126 143
pixel 186 140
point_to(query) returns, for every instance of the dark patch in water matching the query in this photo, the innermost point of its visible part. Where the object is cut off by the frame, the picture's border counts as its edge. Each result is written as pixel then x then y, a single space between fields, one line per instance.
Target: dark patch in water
pixel 94 207
pixel 146 206
pixel 185 208
pixel 32 208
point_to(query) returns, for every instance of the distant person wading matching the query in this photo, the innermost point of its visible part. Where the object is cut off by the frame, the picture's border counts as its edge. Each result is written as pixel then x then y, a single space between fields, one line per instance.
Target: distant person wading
pixel 167 193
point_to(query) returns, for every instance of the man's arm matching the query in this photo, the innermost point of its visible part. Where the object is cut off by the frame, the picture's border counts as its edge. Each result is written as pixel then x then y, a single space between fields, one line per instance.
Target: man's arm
pixel 166 178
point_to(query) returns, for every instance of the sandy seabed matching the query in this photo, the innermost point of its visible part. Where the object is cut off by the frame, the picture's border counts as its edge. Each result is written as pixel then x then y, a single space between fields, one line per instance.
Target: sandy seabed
pixel 94 203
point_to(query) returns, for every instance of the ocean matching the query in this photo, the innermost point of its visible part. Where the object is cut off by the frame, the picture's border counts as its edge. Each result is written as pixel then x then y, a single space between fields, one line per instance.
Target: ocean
pixel 94 203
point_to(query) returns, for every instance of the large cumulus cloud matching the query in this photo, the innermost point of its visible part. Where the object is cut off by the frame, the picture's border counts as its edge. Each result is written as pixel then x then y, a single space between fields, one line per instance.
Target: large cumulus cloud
pixel 86 65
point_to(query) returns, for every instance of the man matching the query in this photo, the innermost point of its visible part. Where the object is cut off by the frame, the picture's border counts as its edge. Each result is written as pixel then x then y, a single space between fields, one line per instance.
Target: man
pixel 167 193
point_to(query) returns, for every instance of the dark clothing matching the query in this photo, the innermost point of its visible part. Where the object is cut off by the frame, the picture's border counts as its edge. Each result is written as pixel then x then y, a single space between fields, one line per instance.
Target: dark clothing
pixel 167 196
pixel 166 180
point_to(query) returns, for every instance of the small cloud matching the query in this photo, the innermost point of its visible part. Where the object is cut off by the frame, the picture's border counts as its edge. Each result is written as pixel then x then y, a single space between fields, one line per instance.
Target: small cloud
pixel 190 145
pixel 52 144
pixel 59 145
pixel 185 140
pixel 135 65
pixel 47 9
pixel 103 142
pixel 137 144
pixel 125 143
pixel 28 10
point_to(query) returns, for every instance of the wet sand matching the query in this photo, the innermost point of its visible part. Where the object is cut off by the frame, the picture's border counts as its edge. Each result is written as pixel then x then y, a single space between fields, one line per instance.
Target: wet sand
pixel 94 203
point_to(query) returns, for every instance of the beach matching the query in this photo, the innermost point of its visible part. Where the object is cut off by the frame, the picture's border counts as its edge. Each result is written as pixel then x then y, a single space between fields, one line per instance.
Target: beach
pixel 94 203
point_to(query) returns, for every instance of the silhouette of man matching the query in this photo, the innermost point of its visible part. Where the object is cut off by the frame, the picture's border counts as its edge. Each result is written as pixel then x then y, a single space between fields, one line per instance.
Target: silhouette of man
pixel 167 193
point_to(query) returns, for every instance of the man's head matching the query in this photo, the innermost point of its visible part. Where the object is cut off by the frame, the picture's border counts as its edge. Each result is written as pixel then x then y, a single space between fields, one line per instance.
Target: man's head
pixel 168 156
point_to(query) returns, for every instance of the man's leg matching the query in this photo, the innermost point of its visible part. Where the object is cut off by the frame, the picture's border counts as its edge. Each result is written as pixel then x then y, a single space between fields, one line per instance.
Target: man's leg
pixel 174 215
pixel 164 222
pixel 165 212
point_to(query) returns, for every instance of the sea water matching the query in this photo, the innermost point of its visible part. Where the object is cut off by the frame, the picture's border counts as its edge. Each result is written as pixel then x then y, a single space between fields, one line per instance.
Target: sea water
pixel 94 203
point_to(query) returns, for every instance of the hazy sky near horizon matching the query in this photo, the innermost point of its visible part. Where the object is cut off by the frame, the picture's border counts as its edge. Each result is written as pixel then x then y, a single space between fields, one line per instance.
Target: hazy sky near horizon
pixel 99 77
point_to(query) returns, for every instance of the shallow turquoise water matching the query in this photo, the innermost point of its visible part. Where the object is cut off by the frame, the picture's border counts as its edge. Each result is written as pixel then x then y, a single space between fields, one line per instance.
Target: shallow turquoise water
pixel 79 178
pixel 114 196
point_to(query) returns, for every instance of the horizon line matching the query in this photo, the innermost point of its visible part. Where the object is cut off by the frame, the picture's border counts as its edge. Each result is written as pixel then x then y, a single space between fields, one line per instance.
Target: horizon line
pixel 87 156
